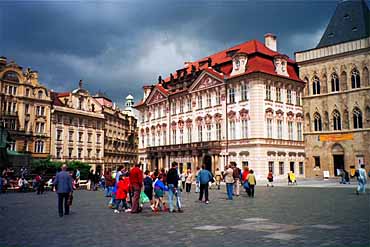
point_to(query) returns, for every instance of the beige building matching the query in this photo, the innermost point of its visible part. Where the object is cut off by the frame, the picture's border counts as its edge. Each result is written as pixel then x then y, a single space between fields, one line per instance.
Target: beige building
pixel 77 128
pixel 239 105
pixel 337 95
pixel 120 133
pixel 25 109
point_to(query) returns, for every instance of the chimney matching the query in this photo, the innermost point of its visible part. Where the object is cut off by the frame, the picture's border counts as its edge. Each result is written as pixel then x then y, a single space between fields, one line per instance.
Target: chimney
pixel 270 41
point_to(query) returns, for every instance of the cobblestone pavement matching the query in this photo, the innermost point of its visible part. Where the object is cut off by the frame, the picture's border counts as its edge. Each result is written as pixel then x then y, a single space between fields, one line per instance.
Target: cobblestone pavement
pixel 279 216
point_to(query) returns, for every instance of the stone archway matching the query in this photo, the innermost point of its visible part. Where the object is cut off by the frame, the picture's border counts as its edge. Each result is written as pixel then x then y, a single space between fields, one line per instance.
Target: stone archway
pixel 338 158
pixel 207 161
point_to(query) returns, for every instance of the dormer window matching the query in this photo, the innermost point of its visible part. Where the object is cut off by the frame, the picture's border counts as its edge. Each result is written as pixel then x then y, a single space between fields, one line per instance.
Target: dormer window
pixel 239 63
pixel 281 65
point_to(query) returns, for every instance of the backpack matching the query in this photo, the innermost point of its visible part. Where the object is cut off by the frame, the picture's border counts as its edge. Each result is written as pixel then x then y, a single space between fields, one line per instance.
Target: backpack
pixel 357 173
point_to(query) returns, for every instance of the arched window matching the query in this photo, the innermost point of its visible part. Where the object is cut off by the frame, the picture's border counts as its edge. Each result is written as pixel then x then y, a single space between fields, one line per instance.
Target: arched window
pixel 11 76
pixel 315 86
pixel 334 82
pixel 357 118
pixel 337 120
pixel 39 94
pixel 317 122
pixel 355 78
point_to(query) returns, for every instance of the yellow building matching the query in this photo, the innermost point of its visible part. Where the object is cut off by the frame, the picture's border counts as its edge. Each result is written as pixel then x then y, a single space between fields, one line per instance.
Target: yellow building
pixel 25 109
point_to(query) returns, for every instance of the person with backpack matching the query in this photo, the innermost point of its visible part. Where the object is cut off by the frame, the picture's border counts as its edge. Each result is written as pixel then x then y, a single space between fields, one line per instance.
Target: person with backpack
pixel 203 179
pixel 148 187
pixel 173 190
pixel 229 180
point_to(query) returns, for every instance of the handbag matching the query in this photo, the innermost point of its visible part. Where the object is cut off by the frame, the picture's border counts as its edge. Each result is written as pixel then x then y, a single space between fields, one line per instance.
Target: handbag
pixel 246 185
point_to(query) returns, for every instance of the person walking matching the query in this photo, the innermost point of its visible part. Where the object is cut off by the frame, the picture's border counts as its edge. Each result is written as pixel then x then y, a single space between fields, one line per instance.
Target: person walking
pixel 78 178
pixel 229 180
pixel 218 176
pixel 236 176
pixel 90 179
pixel 362 179
pixel 196 180
pixel 270 179
pixel 121 194
pixel 148 187
pixel 136 181
pixel 183 179
pixel 252 182
pixel 109 183
pixel 244 179
pixel 203 179
pixel 63 185
pixel 189 181
pixel 173 190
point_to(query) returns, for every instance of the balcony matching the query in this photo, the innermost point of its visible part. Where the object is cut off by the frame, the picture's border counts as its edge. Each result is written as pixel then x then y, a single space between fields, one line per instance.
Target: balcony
pixel 10 113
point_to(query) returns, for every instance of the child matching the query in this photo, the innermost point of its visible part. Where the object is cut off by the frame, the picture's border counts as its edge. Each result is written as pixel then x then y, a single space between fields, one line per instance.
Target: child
pixel 121 194
pixel 159 189
pixel 148 188
pixel 270 179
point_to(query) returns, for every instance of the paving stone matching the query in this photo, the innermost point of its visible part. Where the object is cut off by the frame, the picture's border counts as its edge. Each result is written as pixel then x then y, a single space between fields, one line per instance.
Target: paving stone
pixel 209 228
pixel 282 236
pixel 255 219
pixel 326 227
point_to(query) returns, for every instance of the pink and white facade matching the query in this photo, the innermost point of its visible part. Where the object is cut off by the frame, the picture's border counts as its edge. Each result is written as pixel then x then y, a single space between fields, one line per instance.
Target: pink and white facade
pixel 240 105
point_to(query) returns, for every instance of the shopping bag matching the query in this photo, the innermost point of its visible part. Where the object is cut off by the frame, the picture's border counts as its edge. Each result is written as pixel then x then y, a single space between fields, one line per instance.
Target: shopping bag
pixel 246 185
pixel 143 198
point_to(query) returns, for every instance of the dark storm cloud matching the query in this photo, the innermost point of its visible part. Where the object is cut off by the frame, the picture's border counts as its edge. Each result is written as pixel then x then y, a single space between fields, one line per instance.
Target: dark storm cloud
pixel 118 46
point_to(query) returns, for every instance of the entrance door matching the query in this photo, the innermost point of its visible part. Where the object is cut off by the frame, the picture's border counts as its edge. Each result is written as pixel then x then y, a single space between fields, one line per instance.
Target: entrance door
pixel 208 162
pixel 292 166
pixel 338 163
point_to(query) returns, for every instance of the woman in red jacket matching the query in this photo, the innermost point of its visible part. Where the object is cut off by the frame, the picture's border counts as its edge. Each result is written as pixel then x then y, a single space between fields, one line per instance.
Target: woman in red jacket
pixel 121 194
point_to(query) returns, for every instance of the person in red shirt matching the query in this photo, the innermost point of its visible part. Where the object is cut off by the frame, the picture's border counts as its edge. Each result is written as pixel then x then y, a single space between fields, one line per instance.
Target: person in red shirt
pixel 121 194
pixel 244 178
pixel 136 182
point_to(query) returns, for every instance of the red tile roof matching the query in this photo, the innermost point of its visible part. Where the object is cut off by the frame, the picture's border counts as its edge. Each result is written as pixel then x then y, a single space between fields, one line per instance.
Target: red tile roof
pixel 260 59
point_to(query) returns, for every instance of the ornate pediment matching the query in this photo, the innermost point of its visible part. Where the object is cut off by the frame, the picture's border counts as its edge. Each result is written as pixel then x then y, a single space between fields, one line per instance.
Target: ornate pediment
pixel 155 96
pixel 205 81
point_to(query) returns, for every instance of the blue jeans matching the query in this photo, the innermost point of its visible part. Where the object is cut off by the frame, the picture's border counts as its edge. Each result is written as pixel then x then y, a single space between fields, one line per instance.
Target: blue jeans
pixel 118 203
pixel 229 190
pixel 108 191
pixel 177 194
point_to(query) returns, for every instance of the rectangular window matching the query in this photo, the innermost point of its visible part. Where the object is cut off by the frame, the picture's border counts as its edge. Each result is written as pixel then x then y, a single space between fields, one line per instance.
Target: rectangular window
pixel 232 129
pixel 301 168
pixel 290 130
pixel 89 153
pixel 80 136
pixel 268 92
pixel 298 99
pixel 281 168
pixel 189 104
pixel 189 130
pixel 148 139
pixel 173 108
pixel 159 111
pixel 218 131
pixel 70 136
pixel 200 133
pixel 278 94
pixel 299 132
pixel 209 132
pixel 269 128
pixel 173 136
pixel 59 135
pixel 209 100
pixel 70 151
pixel 181 136
pixel 159 138
pixel 317 161
pixel 289 96
pixel 153 139
pixel 200 103
pixel 244 128
pixel 89 137
pixel 26 109
pixel 218 98
pixel 59 151
pixel 164 137
pixel 181 106
pixel 279 129
pixel 80 153
pixel 231 95
pixel 97 138
pixel 271 167
pixel 244 92
pixel 98 153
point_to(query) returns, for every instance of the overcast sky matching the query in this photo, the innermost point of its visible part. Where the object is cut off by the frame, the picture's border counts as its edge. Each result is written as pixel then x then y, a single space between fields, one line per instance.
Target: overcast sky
pixel 118 46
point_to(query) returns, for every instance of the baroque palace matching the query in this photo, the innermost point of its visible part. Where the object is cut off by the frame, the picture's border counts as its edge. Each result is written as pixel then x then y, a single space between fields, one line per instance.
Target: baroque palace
pixel 25 109
pixel 337 94
pixel 239 105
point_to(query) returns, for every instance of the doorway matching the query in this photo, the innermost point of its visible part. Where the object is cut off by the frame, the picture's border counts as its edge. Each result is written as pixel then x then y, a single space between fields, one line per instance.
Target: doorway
pixel 207 161
pixel 338 163
pixel 292 167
